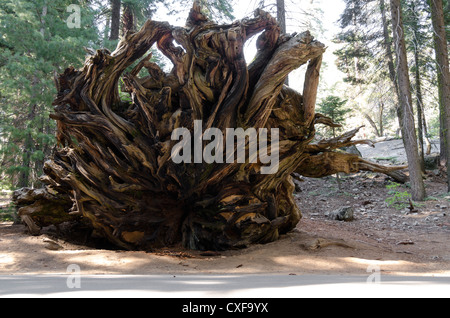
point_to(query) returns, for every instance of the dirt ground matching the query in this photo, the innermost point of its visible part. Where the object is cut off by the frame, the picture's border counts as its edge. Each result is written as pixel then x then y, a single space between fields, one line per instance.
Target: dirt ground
pixel 394 240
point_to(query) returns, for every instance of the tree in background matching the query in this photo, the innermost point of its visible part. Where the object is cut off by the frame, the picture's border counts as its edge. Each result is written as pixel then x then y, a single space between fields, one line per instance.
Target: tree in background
pixel 405 109
pixel 128 15
pixel 365 56
pixel 419 43
pixel 220 10
pixel 115 20
pixel 334 107
pixel 352 57
pixel 35 42
pixel 443 75
pixel 294 15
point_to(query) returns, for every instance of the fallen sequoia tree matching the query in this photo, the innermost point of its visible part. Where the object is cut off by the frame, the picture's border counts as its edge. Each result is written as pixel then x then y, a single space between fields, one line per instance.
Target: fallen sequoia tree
pixel 140 173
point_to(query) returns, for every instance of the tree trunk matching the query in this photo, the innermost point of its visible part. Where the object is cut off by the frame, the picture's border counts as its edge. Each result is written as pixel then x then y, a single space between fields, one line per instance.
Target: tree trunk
pixel 420 110
pixel 127 19
pixel 426 134
pixel 24 176
pixel 387 43
pixel 165 168
pixel 380 119
pixel 115 20
pixel 372 123
pixel 441 48
pixel 406 115
pixel 281 15
pixel 281 19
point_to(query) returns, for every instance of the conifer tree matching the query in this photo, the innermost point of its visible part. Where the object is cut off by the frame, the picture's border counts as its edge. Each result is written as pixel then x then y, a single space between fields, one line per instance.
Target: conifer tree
pixel 38 40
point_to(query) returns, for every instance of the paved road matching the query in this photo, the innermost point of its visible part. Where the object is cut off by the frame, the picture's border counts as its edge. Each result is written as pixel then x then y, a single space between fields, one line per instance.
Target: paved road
pixel 250 286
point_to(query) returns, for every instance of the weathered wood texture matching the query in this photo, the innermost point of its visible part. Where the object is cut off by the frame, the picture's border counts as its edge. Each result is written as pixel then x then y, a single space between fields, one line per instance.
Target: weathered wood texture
pixel 113 168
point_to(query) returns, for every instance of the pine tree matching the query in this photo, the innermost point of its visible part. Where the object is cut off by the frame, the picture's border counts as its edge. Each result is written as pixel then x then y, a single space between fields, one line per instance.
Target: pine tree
pixel 405 110
pixel 335 108
pixel 366 58
pixel 37 42
pixel 418 38
pixel 442 62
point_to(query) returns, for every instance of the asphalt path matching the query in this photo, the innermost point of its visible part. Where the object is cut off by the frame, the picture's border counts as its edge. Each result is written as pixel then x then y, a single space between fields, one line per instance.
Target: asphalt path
pixel 223 286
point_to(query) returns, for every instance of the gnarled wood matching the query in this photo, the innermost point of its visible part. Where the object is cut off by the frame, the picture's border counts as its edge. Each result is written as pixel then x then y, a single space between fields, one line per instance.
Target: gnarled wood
pixel 114 167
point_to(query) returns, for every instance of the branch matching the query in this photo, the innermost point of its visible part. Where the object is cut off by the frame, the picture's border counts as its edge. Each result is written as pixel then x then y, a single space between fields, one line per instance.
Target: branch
pixel 330 163
pixel 289 56
pixel 342 141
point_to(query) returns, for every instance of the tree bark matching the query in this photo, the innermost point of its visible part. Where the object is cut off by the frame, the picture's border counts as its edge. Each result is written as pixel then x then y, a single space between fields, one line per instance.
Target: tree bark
pixel 115 20
pixel 127 19
pixel 281 19
pixel 420 110
pixel 380 118
pixel 372 123
pixel 117 166
pixel 406 115
pixel 387 43
pixel 441 49
pixel 281 15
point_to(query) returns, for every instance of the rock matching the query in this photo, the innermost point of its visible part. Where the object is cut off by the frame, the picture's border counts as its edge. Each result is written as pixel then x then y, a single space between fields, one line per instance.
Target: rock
pixel 432 162
pixel 436 172
pixel 343 214
pixel 52 245
pixel 353 150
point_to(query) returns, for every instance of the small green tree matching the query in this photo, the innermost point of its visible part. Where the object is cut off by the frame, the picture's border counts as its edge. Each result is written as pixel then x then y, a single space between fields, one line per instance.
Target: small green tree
pixel 334 107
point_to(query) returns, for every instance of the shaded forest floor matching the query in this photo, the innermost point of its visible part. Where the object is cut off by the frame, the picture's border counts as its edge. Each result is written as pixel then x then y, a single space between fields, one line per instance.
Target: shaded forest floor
pixel 390 238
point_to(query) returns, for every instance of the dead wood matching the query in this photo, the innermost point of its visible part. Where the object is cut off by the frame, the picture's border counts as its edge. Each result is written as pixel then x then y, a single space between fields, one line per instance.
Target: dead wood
pixel 114 168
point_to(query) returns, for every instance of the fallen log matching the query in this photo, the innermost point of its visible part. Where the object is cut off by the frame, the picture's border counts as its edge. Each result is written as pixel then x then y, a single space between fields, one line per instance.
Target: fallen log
pixel 158 170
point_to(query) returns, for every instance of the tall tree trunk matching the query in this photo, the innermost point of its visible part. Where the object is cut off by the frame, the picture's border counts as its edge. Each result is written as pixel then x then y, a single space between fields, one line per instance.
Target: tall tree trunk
pixel 406 118
pixel 426 134
pixel 107 29
pixel 373 124
pixel 442 61
pixel 127 19
pixel 281 15
pixel 420 110
pixel 387 43
pixel 380 119
pixel 28 149
pixel 115 19
pixel 39 163
pixel 24 176
pixel 281 19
